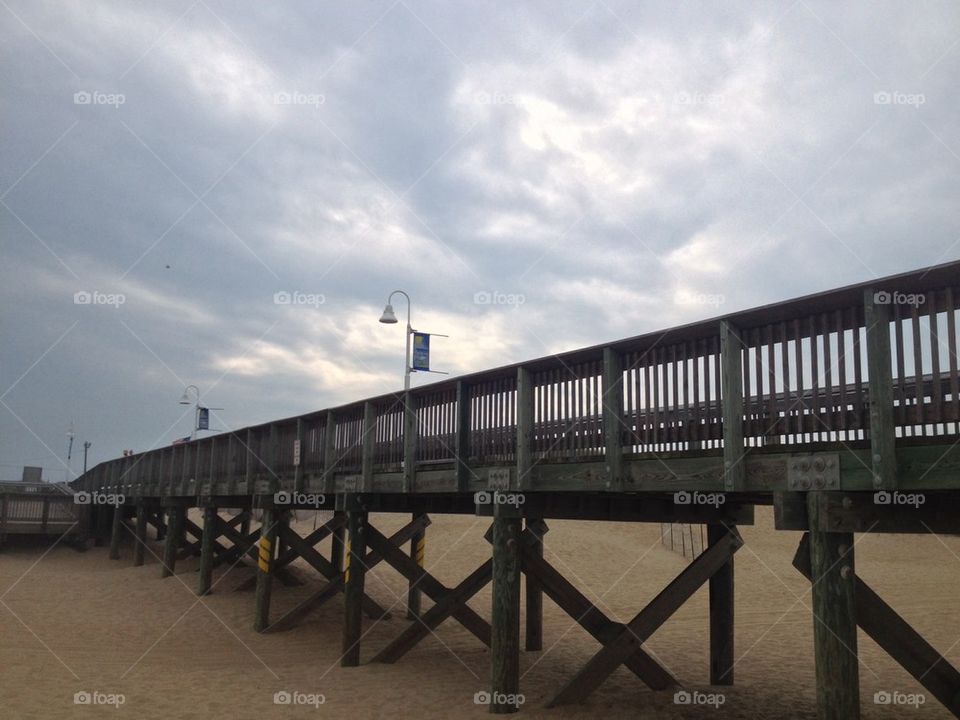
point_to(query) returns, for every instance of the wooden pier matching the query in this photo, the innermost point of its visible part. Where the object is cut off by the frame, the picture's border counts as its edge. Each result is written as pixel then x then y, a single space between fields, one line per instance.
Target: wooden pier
pixel 840 409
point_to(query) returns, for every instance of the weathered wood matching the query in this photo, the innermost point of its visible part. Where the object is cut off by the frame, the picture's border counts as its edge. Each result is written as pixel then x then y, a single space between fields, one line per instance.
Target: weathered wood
pixel 115 530
pixel 834 620
pixel 612 410
pixel 647 621
pixel 337 543
pixel 354 574
pixel 505 616
pixel 891 632
pixel 591 618
pixel 369 445
pixel 418 547
pixel 210 532
pixel 140 541
pixel 462 438
pixel 880 389
pixel 524 452
pixel 175 516
pixel 410 432
pixel 721 615
pixel 731 346
pixel 330 453
pixel 534 617
pixel 266 550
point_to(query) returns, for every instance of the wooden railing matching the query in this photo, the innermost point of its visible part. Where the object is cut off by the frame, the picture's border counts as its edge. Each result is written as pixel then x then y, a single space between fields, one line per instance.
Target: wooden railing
pixel 795 374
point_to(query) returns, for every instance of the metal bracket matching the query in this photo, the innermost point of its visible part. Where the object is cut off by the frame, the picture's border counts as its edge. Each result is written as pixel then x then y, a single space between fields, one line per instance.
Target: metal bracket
pixel 817 471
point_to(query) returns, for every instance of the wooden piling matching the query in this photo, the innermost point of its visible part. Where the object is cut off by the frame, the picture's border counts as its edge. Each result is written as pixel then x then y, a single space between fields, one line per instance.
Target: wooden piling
pixel 207 540
pixel 175 517
pixel 834 620
pixel 505 616
pixel 115 530
pixel 336 545
pixel 417 549
pixel 140 545
pixel 534 622
pixel 721 615
pixel 354 576
pixel 268 539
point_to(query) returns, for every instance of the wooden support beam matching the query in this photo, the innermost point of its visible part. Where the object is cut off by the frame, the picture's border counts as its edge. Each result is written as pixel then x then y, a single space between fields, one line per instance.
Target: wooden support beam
pixel 880 391
pixel 175 514
pixel 267 548
pixel 721 614
pixel 160 524
pixel 524 453
pixel 834 621
pixel 658 611
pixel 612 412
pixel 534 620
pixel 115 530
pixel 140 543
pixel 354 575
pixel 330 453
pixel 731 346
pixel 336 542
pixel 410 432
pixel 211 528
pixel 505 616
pixel 891 632
pixel 462 439
pixel 418 547
pixel 591 618
pixel 368 448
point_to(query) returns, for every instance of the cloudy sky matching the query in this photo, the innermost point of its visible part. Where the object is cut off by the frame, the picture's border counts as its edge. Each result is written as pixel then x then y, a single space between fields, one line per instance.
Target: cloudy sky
pixel 537 176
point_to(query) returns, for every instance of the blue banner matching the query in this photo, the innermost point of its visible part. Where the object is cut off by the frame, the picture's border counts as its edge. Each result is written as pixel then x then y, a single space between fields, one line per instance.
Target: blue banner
pixel 203 419
pixel 421 352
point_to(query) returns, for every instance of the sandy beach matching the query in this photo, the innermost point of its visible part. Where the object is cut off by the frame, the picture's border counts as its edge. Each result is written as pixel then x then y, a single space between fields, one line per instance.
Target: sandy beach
pixel 78 622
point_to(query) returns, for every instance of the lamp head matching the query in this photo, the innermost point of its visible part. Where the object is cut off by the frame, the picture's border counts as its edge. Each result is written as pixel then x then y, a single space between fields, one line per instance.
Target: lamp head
pixel 388 317
pixel 185 398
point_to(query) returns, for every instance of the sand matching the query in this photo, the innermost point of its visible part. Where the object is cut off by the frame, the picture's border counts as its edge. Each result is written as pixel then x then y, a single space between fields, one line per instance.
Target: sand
pixel 78 622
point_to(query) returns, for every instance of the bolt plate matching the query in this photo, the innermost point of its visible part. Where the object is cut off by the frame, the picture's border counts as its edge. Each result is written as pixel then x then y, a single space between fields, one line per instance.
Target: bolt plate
pixel 817 471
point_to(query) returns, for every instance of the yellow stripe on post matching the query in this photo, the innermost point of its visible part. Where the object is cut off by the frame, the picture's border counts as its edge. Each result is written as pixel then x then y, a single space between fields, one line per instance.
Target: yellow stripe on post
pixel 346 563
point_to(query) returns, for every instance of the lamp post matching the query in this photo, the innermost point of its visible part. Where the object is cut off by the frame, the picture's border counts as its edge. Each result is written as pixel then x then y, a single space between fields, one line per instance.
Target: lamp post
pixel 389 318
pixel 86 446
pixel 185 400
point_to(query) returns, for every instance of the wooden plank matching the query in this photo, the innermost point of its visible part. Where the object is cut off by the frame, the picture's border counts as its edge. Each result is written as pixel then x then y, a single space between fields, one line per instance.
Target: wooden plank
pixel 462 439
pixel 171 541
pixel 734 471
pixel 505 617
pixel 536 528
pixel 115 530
pixel 880 389
pixel 140 542
pixel 410 432
pixel 210 532
pixel 524 453
pixel 418 545
pixel 834 620
pixel 647 621
pixel 330 453
pixel 722 658
pixel 613 418
pixel 368 446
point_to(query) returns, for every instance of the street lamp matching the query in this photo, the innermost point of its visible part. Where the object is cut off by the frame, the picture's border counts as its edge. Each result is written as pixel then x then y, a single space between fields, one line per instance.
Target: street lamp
pixel 185 400
pixel 389 318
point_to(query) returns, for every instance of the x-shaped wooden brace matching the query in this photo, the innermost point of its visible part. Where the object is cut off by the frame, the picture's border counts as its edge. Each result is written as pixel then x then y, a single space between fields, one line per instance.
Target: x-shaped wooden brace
pixel 891 632
pixel 335 582
pixel 193 548
pixel 448 601
pixel 625 645
pixel 290 554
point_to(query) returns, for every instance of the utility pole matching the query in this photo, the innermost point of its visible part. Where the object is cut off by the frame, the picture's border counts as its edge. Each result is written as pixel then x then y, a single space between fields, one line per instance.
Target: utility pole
pixel 86 446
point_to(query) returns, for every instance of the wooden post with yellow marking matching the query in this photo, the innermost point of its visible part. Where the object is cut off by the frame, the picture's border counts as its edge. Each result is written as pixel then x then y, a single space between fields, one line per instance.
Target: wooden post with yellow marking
pixel 207 541
pixel 354 574
pixel 418 546
pixel 268 539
